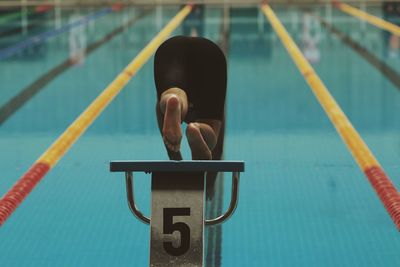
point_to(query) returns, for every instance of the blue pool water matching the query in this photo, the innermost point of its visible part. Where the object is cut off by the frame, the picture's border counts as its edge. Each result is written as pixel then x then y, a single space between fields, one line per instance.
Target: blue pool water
pixel 303 199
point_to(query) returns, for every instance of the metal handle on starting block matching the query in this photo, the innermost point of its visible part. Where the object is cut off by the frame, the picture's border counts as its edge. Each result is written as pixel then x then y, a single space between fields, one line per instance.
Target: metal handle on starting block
pixel 224 217
pixel 232 204
pixel 131 199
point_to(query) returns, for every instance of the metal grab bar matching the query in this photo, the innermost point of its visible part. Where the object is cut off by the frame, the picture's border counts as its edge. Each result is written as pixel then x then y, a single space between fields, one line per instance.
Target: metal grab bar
pixel 232 205
pixel 224 217
pixel 131 199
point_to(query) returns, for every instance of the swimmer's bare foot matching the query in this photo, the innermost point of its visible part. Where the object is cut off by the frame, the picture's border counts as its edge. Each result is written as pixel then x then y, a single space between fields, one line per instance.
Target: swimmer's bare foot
pixel 172 132
pixel 197 136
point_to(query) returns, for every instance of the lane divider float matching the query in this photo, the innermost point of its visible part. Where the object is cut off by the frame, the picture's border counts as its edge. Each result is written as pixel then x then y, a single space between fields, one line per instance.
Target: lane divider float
pixel 374 20
pixel 382 184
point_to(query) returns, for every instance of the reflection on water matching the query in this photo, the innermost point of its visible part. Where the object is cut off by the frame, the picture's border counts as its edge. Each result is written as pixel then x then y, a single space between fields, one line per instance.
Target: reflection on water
pixel 77 39
pixel 391 13
pixel 193 25
pixel 311 35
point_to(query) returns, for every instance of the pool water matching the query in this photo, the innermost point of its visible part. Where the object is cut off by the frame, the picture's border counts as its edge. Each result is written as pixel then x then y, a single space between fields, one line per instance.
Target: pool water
pixel 303 199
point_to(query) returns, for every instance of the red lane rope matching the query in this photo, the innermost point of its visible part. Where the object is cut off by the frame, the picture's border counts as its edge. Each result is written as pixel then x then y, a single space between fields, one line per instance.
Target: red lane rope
pixel 386 191
pixel 21 189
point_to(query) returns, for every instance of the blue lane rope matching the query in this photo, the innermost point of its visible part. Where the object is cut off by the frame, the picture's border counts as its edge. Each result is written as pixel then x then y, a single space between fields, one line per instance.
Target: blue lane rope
pixel 43 37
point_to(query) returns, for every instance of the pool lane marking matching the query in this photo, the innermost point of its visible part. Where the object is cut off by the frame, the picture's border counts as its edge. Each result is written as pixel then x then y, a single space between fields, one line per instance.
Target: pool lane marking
pixel 15 103
pixel 214 193
pixel 374 20
pixel 383 186
pixel 43 37
pixel 14 197
pixel 380 65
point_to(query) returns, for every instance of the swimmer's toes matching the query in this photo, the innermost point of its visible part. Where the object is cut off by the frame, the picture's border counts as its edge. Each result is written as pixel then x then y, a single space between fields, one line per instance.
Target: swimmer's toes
pixel 171 146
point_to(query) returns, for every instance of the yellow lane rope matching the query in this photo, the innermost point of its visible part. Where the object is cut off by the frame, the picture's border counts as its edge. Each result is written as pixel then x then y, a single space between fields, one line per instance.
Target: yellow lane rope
pixel 383 186
pixel 378 22
pixel 357 146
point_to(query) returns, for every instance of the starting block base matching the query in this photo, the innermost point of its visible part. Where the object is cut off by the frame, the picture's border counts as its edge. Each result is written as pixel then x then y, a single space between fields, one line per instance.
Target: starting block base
pixel 177 222
pixel 177 206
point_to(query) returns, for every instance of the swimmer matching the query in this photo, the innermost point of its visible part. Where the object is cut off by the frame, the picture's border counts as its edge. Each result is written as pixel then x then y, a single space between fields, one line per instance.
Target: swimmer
pixel 190 76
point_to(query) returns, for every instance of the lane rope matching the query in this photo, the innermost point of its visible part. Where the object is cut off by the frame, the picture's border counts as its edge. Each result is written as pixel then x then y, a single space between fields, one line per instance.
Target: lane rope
pixel 15 196
pixel 383 186
pixel 374 20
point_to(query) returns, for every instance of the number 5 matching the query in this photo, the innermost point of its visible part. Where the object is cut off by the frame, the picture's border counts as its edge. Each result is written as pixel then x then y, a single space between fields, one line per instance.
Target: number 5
pixel 170 227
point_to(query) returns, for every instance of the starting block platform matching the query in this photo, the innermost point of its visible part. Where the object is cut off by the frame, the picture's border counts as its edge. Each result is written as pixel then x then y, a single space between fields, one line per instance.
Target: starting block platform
pixel 177 206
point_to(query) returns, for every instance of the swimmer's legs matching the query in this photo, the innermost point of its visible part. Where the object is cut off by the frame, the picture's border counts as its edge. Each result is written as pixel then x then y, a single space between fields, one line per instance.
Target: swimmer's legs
pixel 202 135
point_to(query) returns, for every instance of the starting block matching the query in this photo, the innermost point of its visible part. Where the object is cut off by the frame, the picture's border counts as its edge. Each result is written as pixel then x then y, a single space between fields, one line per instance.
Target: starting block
pixel 177 206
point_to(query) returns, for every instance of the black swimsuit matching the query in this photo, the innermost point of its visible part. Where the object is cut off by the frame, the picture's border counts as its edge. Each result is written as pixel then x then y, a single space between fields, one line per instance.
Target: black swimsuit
pixel 197 66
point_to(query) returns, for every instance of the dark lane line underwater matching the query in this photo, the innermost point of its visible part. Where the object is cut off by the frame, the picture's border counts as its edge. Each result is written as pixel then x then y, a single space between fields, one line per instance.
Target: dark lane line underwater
pixel 215 189
pixel 386 70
